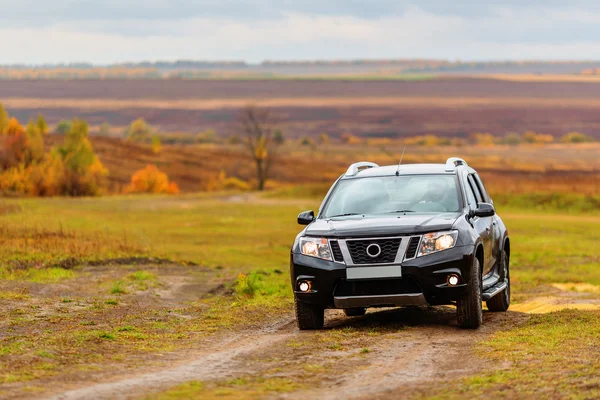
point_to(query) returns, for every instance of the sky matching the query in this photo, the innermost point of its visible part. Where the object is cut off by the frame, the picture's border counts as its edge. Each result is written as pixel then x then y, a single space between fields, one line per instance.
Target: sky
pixel 109 31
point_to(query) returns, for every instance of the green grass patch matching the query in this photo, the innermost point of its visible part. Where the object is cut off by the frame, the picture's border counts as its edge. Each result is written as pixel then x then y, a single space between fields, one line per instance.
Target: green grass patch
pixel 142 280
pixel 571 203
pixel 552 249
pixel 239 388
pixel 554 355
pixel 118 287
pixel 37 275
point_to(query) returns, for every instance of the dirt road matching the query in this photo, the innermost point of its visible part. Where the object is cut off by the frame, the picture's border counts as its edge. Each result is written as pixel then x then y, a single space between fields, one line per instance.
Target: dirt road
pixel 408 349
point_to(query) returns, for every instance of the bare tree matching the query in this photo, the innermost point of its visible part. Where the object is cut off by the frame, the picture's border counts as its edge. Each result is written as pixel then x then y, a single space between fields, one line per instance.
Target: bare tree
pixel 257 127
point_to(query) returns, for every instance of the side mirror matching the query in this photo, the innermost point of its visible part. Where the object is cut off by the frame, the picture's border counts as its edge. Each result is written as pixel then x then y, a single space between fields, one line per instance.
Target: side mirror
pixel 306 217
pixel 483 210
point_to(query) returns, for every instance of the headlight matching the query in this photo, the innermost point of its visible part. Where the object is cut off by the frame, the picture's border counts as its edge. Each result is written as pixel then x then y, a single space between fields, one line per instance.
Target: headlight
pixel 315 247
pixel 437 241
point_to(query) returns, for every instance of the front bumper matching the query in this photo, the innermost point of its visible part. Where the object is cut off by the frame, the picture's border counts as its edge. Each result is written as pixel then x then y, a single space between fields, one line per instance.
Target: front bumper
pixel 423 281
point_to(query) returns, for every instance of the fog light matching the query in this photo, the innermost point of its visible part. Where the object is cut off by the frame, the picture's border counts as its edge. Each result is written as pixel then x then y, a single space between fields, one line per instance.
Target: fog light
pixel 453 280
pixel 304 286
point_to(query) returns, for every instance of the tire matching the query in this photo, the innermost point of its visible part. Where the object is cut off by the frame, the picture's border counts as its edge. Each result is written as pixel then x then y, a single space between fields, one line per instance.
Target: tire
pixel 469 307
pixel 355 312
pixel 309 316
pixel 501 301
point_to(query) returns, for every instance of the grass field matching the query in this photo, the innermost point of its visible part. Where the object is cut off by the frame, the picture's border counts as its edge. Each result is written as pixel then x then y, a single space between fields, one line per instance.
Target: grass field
pixel 61 318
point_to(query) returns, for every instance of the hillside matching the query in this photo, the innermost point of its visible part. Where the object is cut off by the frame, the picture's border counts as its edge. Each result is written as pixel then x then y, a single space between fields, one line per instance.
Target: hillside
pixel 454 107
pixel 508 169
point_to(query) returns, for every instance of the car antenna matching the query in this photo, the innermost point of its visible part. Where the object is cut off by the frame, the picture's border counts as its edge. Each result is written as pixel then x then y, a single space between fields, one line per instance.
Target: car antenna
pixel 401 157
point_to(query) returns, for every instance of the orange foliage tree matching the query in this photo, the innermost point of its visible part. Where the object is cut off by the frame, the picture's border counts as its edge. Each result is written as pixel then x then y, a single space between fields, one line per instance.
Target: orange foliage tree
pixel 26 169
pixel 151 180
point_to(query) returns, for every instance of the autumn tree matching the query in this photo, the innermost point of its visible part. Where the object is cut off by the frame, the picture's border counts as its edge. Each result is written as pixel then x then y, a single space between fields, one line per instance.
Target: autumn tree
pixel 42 125
pixel 257 128
pixel 3 119
pixel 15 144
pixel 84 172
pixel 35 143
pixel 138 131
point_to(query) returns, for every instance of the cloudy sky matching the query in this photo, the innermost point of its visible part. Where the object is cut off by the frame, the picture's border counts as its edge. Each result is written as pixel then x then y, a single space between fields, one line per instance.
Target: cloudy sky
pixel 106 31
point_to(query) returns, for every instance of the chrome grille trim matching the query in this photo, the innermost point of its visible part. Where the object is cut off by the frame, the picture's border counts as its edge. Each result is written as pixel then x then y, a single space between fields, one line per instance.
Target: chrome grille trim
pixel 404 241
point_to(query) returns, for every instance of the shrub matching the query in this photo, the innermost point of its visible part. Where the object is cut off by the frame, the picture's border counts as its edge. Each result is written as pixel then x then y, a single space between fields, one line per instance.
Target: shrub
pixel 138 131
pixel 350 139
pixel 223 182
pixel 208 136
pixel 278 137
pixel 512 139
pixel 234 139
pixel 307 141
pixel 483 139
pixel 63 127
pixel 104 129
pixel 151 180
pixel 576 137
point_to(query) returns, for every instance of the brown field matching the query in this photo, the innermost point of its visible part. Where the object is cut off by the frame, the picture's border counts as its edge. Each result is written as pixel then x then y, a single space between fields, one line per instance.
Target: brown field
pixel 523 169
pixel 441 106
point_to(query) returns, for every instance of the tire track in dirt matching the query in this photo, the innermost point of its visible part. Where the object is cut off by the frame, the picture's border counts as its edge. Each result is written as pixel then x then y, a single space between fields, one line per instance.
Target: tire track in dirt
pixel 227 361
pixel 432 348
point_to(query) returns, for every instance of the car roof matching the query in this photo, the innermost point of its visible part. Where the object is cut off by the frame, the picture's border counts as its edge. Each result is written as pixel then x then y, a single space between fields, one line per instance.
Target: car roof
pixel 404 169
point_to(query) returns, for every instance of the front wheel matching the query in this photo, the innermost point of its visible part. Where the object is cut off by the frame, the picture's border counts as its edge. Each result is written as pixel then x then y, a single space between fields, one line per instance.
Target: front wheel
pixel 309 316
pixel 469 308
pixel 501 301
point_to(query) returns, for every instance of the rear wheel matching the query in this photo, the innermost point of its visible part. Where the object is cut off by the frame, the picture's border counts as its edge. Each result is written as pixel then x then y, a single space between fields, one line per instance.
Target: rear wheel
pixel 309 316
pixel 501 301
pixel 355 312
pixel 469 308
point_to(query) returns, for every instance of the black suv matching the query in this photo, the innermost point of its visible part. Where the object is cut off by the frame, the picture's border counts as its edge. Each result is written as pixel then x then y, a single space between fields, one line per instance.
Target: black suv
pixel 421 234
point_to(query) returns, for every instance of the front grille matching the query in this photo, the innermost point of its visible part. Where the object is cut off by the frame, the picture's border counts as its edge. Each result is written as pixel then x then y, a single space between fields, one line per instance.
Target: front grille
pixel 358 250
pixel 413 246
pixel 377 287
pixel 337 252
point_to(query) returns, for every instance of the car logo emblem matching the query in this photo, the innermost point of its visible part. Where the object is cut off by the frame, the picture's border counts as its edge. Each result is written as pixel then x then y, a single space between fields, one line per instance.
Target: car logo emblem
pixel 373 250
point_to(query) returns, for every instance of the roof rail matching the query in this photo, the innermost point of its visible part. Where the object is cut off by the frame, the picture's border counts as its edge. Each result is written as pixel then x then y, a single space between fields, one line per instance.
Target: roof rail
pixel 359 166
pixel 454 162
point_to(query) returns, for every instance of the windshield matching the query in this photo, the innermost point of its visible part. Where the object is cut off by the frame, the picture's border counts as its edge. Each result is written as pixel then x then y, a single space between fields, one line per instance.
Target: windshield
pixel 394 194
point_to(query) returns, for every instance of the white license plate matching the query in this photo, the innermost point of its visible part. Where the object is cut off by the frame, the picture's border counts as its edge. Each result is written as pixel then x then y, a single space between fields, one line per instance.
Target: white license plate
pixel 388 271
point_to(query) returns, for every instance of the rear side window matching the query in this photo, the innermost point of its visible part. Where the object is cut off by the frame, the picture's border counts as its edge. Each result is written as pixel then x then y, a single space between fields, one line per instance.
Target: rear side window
pixel 475 189
pixel 471 196
pixel 481 187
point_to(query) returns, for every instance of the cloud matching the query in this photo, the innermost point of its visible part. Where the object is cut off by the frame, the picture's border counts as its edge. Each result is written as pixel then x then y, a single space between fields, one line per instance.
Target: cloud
pixel 496 32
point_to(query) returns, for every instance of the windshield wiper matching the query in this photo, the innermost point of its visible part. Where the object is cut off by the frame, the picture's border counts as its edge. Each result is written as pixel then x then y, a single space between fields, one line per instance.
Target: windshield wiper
pixel 343 215
pixel 401 211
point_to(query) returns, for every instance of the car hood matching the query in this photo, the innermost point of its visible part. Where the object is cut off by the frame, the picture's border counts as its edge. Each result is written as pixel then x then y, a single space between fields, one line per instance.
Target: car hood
pixel 380 226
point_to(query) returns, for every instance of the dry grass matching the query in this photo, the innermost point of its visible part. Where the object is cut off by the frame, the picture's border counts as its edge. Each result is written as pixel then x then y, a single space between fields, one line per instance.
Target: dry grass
pixel 555 168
